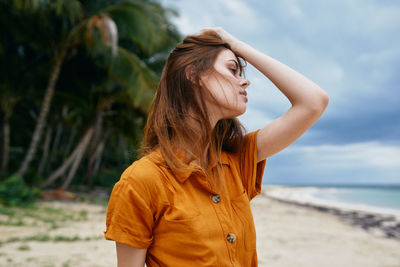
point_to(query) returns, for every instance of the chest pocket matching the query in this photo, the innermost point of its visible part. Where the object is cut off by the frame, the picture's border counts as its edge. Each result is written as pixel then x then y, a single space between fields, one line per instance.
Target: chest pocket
pixel 182 226
pixel 181 214
pixel 241 208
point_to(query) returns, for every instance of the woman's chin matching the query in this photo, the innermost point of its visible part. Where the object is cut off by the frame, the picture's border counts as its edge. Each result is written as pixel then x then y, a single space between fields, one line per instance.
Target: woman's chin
pixel 239 112
pixel 242 110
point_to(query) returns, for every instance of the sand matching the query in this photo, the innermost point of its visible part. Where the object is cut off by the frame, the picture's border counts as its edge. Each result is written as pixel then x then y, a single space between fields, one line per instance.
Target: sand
pixel 92 252
pixel 287 235
pixel 291 235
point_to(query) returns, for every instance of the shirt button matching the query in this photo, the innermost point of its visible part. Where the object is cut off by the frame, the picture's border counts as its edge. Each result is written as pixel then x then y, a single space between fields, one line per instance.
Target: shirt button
pixel 231 238
pixel 216 198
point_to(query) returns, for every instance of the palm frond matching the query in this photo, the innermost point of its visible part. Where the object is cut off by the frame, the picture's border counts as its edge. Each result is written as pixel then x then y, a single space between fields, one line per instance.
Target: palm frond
pixel 138 79
pixel 141 23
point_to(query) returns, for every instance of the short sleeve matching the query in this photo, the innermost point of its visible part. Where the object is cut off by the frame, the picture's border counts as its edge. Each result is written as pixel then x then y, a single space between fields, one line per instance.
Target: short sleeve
pixel 251 171
pixel 129 218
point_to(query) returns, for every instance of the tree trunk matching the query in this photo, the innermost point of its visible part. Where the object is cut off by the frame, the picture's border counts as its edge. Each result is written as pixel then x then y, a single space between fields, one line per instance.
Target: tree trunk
pixel 6 145
pixel 43 114
pixel 7 103
pixel 71 159
pixel 57 139
pixel 46 146
pixel 76 163
pixel 70 140
pixel 97 163
pixel 94 145
pixel 122 147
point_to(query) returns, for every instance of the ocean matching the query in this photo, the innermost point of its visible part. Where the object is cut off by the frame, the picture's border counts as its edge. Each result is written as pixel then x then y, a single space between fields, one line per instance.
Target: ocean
pixel 379 196
pixel 375 198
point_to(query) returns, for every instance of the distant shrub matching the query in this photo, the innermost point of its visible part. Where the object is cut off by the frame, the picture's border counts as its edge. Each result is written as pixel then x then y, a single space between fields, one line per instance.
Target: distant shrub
pixel 15 192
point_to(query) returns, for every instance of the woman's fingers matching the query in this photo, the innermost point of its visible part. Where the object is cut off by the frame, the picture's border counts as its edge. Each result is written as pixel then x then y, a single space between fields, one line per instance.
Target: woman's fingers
pixel 223 34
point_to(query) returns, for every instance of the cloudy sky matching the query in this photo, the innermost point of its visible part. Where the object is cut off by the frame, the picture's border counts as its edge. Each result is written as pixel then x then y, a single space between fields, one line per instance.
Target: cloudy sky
pixel 351 49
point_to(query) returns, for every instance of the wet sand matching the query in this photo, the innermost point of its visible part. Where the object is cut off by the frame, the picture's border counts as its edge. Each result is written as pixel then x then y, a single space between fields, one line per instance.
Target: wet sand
pixel 290 234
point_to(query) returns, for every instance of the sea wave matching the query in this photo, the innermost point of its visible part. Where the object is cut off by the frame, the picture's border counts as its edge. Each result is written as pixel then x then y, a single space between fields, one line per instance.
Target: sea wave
pixel 317 196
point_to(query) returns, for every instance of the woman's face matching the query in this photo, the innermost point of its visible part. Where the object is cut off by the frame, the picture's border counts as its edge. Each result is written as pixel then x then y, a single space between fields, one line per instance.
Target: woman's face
pixel 227 98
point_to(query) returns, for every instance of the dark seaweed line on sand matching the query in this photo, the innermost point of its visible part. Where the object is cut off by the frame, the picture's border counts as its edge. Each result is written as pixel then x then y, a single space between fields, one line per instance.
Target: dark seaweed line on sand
pixel 387 225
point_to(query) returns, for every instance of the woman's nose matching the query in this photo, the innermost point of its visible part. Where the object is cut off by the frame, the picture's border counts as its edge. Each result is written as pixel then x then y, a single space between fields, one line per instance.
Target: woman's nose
pixel 244 83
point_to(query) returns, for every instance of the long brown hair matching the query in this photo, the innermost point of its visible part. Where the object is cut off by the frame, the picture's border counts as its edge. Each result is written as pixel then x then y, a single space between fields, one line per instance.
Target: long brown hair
pixel 180 98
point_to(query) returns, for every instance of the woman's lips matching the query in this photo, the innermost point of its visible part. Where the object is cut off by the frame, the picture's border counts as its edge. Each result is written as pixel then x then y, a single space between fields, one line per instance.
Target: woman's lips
pixel 244 94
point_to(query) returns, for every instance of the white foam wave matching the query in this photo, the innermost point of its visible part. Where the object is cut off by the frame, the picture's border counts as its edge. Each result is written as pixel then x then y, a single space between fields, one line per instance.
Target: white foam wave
pixel 306 195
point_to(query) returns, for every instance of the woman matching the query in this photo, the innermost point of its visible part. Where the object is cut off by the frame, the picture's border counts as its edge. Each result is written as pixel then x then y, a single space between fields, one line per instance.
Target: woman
pixel 186 201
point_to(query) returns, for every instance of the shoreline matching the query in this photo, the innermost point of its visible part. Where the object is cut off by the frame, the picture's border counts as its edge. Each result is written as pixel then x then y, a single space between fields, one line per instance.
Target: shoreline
pixel 294 234
pixel 377 221
pixel 287 235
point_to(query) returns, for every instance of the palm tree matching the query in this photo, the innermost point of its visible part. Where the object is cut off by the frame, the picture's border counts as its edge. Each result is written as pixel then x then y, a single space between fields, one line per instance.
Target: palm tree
pixel 141 24
pixel 16 75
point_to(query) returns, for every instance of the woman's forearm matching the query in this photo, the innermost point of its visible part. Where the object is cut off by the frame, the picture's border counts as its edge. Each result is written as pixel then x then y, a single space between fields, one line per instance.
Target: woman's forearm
pixel 296 87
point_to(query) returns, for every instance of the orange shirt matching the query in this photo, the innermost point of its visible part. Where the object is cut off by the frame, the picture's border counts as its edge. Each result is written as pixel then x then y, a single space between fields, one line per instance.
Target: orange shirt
pixel 181 220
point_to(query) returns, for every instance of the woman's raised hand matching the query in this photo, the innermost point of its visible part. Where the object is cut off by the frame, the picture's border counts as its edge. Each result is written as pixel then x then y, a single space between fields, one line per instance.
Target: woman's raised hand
pixel 227 37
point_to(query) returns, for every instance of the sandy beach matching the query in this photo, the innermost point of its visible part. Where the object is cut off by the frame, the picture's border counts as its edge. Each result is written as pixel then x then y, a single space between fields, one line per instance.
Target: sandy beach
pixel 287 235
pixel 295 235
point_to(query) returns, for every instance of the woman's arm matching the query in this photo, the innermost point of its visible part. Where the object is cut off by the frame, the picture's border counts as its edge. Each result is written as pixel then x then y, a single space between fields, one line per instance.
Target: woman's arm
pixel 130 257
pixel 308 100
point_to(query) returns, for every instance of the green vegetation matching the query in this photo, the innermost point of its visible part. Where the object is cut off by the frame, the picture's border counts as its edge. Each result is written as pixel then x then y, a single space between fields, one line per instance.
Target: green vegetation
pixel 47 238
pixel 67 264
pixel 24 247
pixel 76 82
pixel 15 192
pixel 42 215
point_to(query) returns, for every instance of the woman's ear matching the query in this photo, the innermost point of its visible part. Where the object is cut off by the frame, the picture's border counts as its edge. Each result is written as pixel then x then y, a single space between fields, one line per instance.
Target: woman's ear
pixel 190 73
